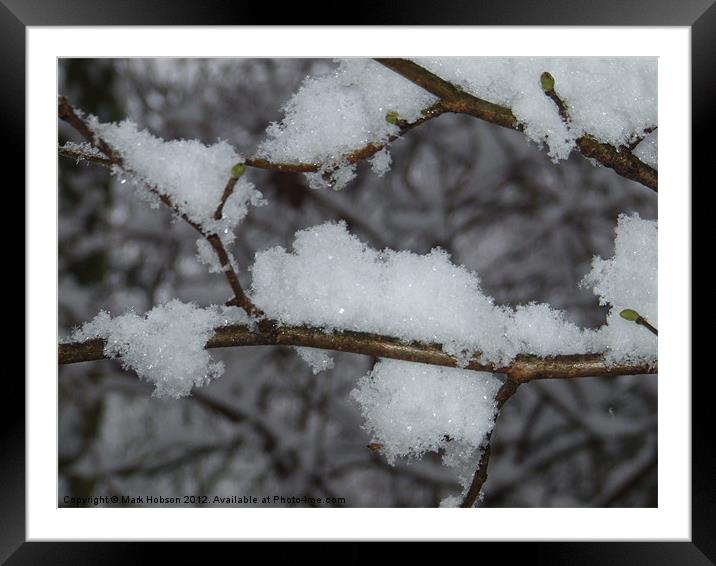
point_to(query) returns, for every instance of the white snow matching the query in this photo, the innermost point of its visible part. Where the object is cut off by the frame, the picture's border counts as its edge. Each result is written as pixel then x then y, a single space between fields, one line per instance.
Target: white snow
pixel 318 360
pixel 332 175
pixel 543 331
pixel 380 162
pixel 628 281
pixel 411 408
pixel 334 281
pixel 648 150
pixel 613 99
pixel 192 174
pixel 414 408
pixel 336 113
pixel 206 255
pixel 165 346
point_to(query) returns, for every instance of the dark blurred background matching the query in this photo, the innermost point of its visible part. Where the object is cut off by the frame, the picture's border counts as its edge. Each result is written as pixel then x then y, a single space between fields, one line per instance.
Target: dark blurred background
pixel 268 425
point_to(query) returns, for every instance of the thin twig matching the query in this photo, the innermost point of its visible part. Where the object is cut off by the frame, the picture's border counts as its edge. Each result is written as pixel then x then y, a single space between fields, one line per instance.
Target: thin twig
pixel 548 84
pixel 74 118
pixel 508 389
pixel 228 190
pixel 240 297
pixel 646 324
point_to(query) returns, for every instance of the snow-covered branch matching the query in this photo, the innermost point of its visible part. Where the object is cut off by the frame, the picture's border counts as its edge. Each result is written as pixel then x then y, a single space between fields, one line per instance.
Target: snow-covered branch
pixel 333 292
pixel 152 164
pixel 614 147
pixel 357 155
pixel 523 369
pixel 454 99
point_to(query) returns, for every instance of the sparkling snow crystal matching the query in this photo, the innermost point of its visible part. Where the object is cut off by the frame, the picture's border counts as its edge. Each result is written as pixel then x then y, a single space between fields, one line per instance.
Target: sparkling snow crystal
pixel 192 174
pixel 166 346
pixel 413 408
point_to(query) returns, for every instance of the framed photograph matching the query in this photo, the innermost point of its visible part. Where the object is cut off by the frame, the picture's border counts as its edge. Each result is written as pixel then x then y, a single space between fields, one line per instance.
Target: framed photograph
pixel 359 282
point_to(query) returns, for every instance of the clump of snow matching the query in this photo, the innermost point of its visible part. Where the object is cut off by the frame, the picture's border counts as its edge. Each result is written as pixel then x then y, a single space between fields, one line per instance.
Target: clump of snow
pixel 337 113
pixel 341 111
pixel 233 315
pixel 628 281
pixel 206 255
pixel 165 346
pixel 541 330
pixel 613 99
pixel 333 280
pixel 648 150
pixel 319 360
pixel 380 162
pixel 332 175
pixel 414 408
pixel 190 173
pixel 342 176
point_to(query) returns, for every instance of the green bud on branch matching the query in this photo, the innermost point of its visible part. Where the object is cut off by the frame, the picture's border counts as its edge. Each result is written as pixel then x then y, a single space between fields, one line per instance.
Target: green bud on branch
pixel 633 316
pixel 630 314
pixel 547 82
pixel 238 170
pixel 391 117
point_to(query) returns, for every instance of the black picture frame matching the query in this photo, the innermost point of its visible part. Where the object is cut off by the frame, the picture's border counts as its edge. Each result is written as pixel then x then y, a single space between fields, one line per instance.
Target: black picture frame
pixel 699 15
